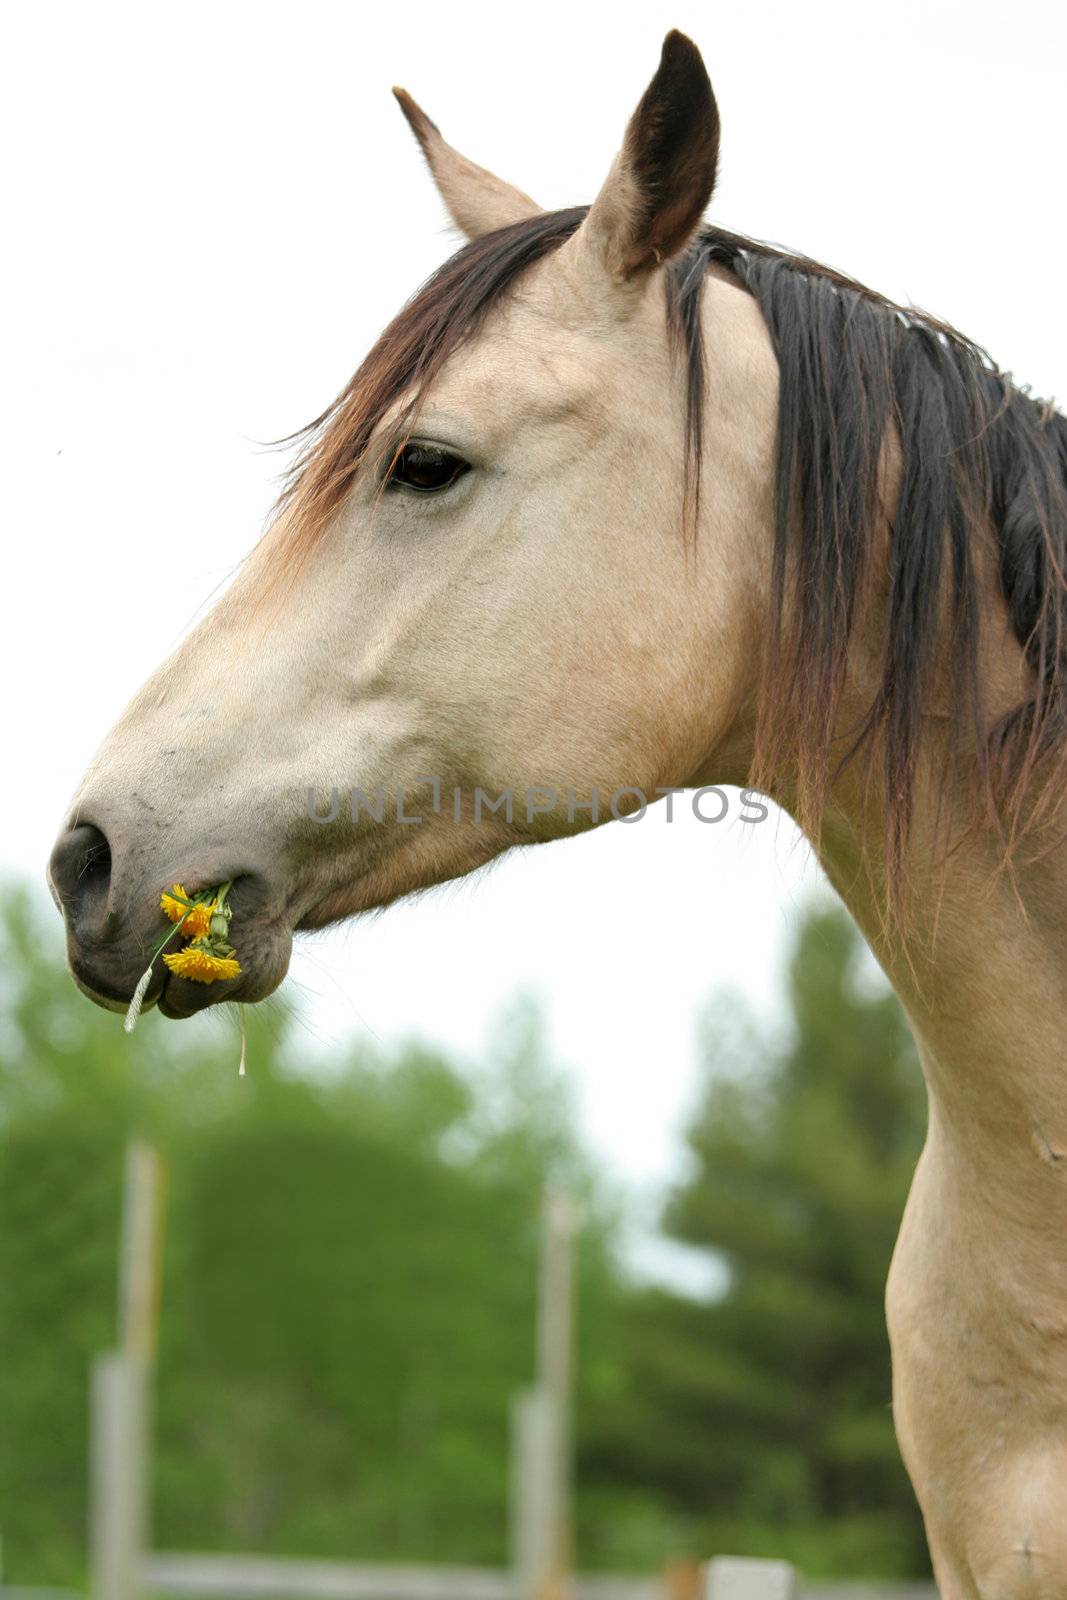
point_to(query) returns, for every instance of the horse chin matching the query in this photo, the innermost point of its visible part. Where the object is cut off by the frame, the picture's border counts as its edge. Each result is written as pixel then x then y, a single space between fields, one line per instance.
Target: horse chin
pixel 264 965
pixel 181 999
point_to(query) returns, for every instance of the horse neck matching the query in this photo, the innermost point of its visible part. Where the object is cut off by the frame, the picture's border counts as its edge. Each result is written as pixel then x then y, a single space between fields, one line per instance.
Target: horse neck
pixel 979 968
pixel 980 972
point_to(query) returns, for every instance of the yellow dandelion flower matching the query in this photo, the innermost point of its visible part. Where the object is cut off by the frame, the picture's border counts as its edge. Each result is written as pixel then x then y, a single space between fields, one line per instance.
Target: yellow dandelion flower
pixel 202 965
pixel 198 922
pixel 175 905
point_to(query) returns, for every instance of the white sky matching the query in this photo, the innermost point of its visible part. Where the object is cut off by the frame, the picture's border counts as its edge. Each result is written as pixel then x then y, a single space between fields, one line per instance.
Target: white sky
pixel 211 212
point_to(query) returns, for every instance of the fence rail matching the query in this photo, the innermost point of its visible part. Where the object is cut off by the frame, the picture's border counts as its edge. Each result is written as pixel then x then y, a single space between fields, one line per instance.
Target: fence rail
pixel 266 1578
pixel 235 1577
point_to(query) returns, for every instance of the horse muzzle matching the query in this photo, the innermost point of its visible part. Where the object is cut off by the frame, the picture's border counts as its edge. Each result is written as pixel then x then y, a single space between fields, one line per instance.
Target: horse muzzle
pixel 109 897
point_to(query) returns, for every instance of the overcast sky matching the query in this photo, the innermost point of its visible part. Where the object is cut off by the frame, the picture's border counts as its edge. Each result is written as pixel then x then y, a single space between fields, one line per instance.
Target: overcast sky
pixel 211 212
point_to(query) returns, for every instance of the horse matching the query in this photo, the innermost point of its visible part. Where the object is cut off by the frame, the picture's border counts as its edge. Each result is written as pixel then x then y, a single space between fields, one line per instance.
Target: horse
pixel 623 501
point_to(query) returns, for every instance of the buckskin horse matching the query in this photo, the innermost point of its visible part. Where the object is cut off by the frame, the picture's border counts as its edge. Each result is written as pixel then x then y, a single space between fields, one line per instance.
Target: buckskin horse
pixel 622 499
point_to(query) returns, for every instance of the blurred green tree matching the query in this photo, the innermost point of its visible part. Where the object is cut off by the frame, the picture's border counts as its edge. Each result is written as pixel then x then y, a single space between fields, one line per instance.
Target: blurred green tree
pixel 350 1272
pixel 349 1281
pixel 762 1415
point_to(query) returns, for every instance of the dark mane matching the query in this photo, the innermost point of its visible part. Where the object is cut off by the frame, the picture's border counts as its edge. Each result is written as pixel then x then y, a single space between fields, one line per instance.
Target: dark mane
pixel 977 453
pixel 856 370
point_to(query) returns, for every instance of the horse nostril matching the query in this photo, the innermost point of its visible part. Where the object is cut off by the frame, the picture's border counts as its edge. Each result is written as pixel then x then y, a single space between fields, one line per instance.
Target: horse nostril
pixel 80 870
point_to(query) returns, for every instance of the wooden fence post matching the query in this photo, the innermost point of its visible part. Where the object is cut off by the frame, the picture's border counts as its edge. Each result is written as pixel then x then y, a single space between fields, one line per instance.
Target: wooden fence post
pixel 541 1529
pixel 533 1456
pixel 118 1465
pixel 120 1393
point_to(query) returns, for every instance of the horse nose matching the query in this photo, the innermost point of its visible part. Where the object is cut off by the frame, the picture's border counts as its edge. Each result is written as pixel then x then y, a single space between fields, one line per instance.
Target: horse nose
pixel 80 874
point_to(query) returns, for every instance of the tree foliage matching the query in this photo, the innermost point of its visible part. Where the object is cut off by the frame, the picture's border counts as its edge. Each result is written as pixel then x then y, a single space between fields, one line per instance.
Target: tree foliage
pixel 763 1415
pixel 350 1270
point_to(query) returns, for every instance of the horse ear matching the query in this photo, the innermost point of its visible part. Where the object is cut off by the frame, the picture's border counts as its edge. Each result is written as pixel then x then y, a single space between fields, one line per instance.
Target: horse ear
pixel 663 176
pixel 477 201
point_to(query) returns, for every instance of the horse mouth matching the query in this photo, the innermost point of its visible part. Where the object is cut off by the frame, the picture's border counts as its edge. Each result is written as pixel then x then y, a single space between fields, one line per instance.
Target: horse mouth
pixel 264 964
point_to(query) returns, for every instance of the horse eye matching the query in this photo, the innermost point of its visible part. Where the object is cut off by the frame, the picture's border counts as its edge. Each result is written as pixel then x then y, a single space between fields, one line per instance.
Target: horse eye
pixel 426 468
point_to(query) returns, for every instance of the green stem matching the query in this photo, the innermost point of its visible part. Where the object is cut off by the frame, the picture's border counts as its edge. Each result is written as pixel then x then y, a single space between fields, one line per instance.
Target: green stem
pixel 169 936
